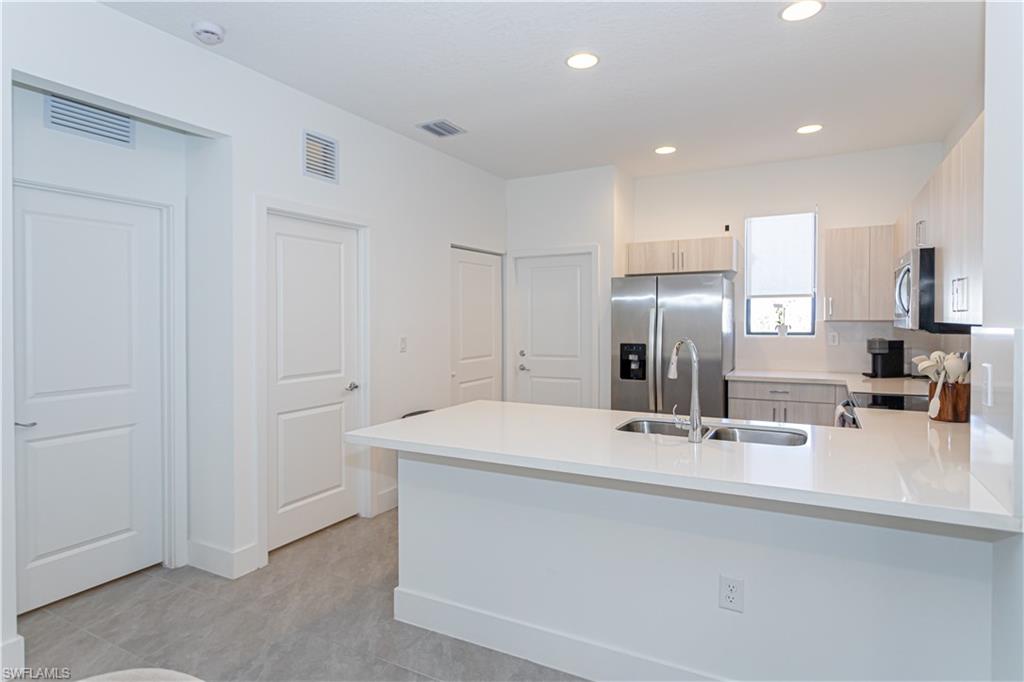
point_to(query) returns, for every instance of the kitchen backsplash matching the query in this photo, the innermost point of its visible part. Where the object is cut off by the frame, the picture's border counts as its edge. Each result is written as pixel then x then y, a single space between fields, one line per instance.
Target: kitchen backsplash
pixel 851 354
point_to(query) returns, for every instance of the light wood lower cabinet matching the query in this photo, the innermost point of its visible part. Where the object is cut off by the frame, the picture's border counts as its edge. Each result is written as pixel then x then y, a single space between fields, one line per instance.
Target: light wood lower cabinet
pixel 791 403
pixel 785 411
pixel 756 410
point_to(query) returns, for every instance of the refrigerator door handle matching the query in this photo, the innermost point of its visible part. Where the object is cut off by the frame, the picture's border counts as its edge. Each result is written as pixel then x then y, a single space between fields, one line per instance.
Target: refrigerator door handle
pixel 652 405
pixel 660 384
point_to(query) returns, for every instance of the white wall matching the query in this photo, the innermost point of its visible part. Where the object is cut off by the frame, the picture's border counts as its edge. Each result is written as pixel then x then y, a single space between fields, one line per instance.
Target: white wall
pixel 620 582
pixel 1003 257
pixel 416 201
pixel 848 190
pixel 1003 249
pixel 622 229
pixel 576 208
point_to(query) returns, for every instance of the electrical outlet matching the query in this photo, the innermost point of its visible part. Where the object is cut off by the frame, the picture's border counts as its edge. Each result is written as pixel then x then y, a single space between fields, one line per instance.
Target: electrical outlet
pixel 403 344
pixel 730 593
pixel 833 338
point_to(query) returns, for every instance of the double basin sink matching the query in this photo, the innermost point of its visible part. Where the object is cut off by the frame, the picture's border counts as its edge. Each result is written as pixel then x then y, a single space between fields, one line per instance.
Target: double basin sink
pixel 736 434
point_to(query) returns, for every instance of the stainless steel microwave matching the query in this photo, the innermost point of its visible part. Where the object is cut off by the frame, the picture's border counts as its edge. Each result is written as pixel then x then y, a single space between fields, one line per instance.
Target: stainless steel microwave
pixel 914 294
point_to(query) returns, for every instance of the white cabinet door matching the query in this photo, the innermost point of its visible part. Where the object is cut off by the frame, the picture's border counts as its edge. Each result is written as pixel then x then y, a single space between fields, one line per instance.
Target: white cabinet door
pixel 476 326
pixel 553 350
pixel 313 320
pixel 87 330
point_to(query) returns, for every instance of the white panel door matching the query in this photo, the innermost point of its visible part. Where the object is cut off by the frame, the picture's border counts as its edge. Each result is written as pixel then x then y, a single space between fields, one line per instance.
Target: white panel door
pixel 87 318
pixel 476 326
pixel 553 339
pixel 313 395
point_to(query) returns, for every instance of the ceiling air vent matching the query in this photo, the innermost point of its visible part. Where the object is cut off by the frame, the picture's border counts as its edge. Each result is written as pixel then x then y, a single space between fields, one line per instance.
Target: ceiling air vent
pixel 89 121
pixel 320 157
pixel 442 128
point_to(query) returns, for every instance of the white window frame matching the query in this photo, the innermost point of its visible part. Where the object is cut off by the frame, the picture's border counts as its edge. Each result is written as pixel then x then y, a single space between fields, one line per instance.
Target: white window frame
pixel 746 281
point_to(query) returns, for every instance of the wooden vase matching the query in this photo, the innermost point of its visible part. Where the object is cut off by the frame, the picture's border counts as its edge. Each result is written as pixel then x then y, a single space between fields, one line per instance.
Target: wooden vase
pixel 954 403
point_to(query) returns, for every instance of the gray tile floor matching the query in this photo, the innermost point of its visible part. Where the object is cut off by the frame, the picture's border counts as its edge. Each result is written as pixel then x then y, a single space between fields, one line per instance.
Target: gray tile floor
pixel 321 610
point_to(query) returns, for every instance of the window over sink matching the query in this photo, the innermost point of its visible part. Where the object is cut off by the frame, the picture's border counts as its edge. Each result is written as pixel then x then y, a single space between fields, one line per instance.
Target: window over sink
pixel 780 274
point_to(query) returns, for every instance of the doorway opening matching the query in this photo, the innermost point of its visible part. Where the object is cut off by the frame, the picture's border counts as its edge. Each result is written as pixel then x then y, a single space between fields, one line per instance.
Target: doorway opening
pixel 99 345
pixel 476 325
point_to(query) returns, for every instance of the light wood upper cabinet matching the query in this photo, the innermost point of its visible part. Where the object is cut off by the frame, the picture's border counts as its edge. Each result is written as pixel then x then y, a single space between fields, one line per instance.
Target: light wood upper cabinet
pixel 645 258
pixel 971 240
pixel 847 263
pixel 858 273
pixel 947 215
pixel 958 256
pixel 682 255
pixel 708 255
pixel 881 276
pixel 920 215
pixel 903 235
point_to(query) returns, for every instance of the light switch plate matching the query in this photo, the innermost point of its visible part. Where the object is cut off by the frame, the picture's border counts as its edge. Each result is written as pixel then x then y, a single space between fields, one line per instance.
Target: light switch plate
pixel 833 338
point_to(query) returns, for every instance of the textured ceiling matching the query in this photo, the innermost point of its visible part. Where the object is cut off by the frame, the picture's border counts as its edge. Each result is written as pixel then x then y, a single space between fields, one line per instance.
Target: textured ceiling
pixel 726 83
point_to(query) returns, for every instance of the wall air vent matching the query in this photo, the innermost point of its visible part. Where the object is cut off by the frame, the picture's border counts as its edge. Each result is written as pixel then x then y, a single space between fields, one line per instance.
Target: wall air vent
pixel 320 156
pixel 82 119
pixel 442 128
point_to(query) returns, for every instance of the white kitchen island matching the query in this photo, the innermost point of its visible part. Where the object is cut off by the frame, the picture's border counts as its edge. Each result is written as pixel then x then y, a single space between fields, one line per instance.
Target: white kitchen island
pixel 546 533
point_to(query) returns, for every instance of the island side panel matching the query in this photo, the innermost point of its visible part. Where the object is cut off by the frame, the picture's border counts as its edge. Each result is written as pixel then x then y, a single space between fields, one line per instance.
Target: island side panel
pixel 606 581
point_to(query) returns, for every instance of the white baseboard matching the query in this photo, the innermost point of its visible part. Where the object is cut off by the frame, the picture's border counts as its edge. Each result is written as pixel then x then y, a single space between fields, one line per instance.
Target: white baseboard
pixel 12 654
pixel 225 562
pixel 386 499
pixel 559 650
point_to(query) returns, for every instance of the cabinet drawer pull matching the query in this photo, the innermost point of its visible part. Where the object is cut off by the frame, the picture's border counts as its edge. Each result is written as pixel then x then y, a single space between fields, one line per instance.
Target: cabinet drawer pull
pixel 773 414
pixel 778 391
pixel 785 414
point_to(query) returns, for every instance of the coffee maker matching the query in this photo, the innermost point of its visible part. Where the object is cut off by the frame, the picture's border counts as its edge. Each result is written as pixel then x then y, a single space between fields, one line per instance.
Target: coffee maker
pixel 886 358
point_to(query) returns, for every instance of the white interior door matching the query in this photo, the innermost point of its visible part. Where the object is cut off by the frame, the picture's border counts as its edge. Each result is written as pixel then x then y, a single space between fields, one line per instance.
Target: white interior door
pixel 313 396
pixel 476 326
pixel 87 318
pixel 554 342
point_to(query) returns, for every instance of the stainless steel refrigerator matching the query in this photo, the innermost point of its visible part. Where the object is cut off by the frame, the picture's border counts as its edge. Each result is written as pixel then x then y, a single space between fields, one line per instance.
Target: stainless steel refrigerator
pixel 651 313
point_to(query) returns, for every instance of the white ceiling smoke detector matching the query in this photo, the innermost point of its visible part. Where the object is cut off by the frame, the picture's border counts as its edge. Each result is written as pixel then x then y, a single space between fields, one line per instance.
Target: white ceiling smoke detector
pixel 208 33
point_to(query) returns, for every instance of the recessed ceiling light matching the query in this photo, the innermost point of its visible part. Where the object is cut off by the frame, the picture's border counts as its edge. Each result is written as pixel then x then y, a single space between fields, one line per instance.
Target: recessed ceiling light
pixel 804 9
pixel 810 128
pixel 582 60
pixel 665 150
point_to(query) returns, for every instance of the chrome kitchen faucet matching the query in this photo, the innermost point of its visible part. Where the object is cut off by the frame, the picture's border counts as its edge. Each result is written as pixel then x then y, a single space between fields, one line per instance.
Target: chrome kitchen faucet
pixel 696 426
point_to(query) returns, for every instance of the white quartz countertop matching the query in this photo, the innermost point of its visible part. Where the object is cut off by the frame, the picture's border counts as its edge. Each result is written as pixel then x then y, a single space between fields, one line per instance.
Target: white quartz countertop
pixel 900 464
pixel 855 383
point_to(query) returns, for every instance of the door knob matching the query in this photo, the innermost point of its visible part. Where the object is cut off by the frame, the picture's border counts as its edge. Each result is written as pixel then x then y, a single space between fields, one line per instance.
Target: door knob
pixel 26 425
pixel 351 386
pixel 523 368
